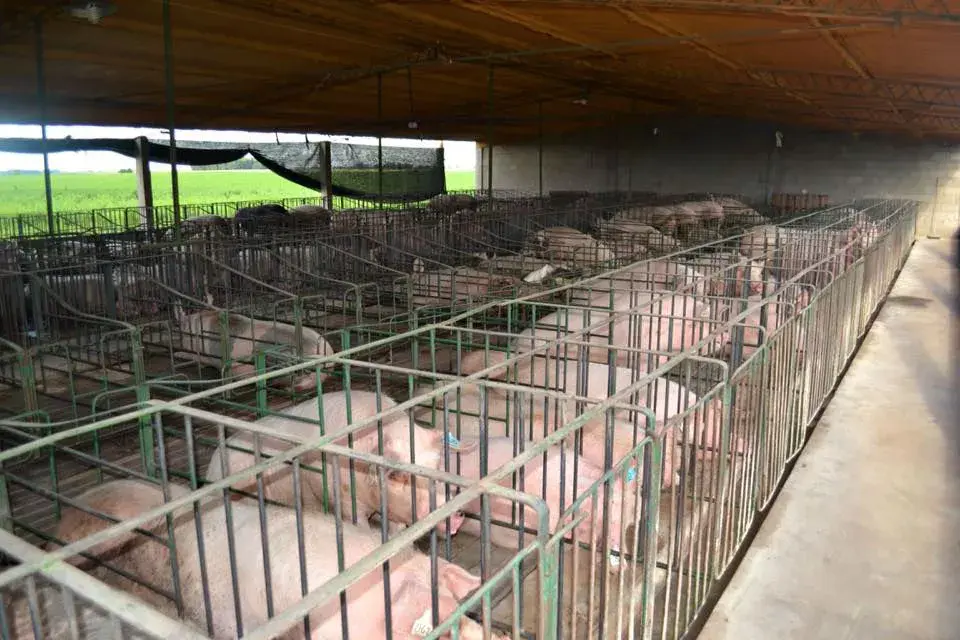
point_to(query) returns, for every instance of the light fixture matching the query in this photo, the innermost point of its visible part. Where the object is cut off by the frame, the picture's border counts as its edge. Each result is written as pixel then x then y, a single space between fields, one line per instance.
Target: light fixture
pixel 92 11
pixel 581 101
pixel 413 124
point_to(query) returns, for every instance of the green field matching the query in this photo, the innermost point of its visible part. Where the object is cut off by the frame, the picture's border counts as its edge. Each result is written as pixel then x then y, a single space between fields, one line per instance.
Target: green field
pixel 23 194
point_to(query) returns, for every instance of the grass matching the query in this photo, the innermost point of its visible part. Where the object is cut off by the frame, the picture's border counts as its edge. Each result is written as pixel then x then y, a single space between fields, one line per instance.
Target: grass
pixel 72 192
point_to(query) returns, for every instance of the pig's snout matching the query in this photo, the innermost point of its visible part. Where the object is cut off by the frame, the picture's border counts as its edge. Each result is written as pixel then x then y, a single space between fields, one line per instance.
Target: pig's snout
pixel 455 522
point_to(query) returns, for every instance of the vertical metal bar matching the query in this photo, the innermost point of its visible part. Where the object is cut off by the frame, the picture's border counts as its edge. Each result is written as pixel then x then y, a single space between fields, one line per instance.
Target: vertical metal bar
pixel 327 174
pixel 633 110
pixel 144 185
pixel 379 141
pixel 490 138
pixel 171 116
pixel 540 145
pixel 42 105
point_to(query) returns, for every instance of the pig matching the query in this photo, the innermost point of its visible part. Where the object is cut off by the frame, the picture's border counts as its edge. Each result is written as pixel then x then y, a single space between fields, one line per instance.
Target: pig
pixel 513 264
pixel 278 482
pixel 649 275
pixel 722 267
pixel 706 210
pixel 792 251
pixel 121 500
pixel 664 397
pixel 452 285
pixel 262 216
pixel 779 309
pixel 629 237
pixel 551 471
pixel 653 321
pixel 736 212
pixel 663 218
pixel 311 214
pixel 246 337
pixel 451 203
pixel 203 225
pixel 567 246
pixel 149 561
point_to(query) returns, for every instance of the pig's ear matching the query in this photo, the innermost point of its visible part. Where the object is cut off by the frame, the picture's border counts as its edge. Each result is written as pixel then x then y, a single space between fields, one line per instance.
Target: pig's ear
pixel 457 580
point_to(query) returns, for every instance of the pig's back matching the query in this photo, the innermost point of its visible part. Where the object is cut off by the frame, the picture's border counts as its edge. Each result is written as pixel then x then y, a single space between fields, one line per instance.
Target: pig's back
pixel 365 598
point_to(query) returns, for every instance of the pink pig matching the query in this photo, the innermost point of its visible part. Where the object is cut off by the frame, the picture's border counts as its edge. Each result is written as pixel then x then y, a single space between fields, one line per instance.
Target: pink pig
pixel 278 486
pixel 148 560
pixel 560 468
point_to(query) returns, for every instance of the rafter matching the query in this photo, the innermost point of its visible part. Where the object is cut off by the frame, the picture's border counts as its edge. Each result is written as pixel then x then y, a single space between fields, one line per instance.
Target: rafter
pixel 886 11
pixel 659 26
pixel 533 24
pixel 851 61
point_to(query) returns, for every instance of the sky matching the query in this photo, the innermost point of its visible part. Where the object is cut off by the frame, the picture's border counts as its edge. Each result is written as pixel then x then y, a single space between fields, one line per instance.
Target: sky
pixel 459 155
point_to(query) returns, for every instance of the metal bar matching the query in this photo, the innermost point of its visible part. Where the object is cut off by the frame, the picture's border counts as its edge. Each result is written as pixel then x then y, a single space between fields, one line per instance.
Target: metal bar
pixel 171 111
pixel 42 107
pixel 490 116
pixel 327 174
pixel 131 611
pixel 144 184
pixel 540 147
pixel 379 140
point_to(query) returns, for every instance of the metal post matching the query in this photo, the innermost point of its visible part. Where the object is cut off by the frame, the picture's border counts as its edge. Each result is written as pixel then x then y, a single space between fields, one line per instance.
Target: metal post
pixel 490 138
pixel 144 183
pixel 171 116
pixel 379 141
pixel 540 144
pixel 633 110
pixel 42 103
pixel 327 175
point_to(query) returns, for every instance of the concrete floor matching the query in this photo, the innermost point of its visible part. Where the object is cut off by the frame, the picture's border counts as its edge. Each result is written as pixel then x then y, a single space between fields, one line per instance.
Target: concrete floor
pixel 864 541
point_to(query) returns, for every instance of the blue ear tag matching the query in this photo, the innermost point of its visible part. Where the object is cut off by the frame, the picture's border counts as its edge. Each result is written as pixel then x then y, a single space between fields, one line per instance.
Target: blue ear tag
pixel 452 441
pixel 631 474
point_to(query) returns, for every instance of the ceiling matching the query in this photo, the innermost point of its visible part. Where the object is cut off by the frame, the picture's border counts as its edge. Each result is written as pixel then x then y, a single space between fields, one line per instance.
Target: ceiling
pixel 487 69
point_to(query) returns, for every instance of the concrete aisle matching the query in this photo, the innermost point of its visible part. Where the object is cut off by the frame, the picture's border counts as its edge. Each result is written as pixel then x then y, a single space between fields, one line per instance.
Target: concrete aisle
pixel 864 541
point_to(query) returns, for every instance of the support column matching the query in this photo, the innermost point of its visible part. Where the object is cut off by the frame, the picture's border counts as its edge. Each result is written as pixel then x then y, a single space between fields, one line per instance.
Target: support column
pixel 379 141
pixel 327 176
pixel 490 139
pixel 171 112
pixel 144 184
pixel 42 108
pixel 540 146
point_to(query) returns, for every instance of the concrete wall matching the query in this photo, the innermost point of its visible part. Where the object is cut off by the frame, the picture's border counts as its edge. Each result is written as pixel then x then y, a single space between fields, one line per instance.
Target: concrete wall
pixel 738 157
